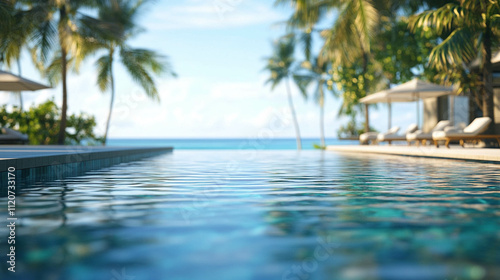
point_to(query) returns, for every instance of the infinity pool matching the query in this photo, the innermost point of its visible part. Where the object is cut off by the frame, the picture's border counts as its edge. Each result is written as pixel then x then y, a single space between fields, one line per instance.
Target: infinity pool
pixel 262 215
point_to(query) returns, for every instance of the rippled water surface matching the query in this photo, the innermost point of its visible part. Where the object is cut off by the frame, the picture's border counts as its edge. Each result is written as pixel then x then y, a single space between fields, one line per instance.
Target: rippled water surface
pixel 262 215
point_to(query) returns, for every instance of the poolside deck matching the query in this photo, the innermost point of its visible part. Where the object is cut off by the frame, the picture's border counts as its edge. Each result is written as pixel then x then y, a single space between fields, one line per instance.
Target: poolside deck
pixel 454 152
pixel 45 163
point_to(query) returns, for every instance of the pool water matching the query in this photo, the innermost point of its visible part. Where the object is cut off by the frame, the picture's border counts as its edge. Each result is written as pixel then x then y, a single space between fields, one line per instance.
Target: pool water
pixel 262 215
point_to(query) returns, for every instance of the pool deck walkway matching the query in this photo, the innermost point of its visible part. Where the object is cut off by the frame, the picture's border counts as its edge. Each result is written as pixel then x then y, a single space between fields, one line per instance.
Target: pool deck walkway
pixel 454 152
pixel 45 163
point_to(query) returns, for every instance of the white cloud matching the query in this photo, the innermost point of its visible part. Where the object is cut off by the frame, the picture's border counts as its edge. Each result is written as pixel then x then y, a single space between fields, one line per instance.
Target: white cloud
pixel 212 14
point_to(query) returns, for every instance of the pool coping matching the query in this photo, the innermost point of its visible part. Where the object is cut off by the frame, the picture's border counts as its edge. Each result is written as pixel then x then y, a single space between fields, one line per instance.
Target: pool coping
pixel 48 163
pixel 453 153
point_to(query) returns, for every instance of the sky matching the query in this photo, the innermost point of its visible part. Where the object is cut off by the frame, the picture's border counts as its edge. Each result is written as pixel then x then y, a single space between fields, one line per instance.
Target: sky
pixel 218 50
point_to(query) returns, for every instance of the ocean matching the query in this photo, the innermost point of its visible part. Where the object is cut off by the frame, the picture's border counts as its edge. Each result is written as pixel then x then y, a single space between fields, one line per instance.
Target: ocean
pixel 229 144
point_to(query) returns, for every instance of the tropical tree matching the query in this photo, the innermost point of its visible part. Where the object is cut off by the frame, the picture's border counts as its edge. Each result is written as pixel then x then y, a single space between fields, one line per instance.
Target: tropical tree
pixel 316 75
pixel 14 38
pixel 348 39
pixel 351 43
pixel 56 36
pixel 280 67
pixel 41 124
pixel 6 8
pixel 471 30
pixel 140 63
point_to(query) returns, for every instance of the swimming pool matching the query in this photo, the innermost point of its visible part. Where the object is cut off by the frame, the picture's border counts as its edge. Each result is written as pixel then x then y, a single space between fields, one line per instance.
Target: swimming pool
pixel 262 215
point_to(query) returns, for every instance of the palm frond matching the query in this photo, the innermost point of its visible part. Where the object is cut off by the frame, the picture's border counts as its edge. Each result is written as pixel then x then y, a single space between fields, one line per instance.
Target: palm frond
pixel 137 63
pixel 303 82
pixel 457 49
pixel 104 64
pixel 441 20
pixel 280 63
pixel 54 69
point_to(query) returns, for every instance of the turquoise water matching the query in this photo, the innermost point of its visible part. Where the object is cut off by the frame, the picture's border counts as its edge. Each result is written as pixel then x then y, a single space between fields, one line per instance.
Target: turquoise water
pixel 229 144
pixel 248 214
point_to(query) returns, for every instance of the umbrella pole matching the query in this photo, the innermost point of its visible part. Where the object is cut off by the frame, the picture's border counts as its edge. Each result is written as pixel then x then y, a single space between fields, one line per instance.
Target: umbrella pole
pixel 390 114
pixel 451 117
pixel 418 111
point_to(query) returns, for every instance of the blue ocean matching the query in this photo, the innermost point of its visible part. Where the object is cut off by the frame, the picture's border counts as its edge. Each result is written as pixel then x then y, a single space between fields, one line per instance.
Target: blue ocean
pixel 229 144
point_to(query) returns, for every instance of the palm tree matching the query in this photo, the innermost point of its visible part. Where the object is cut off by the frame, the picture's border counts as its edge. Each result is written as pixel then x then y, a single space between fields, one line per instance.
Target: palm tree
pixel 57 23
pixel 473 27
pixel 280 66
pixel 14 40
pixel 348 39
pixel 140 63
pixel 315 73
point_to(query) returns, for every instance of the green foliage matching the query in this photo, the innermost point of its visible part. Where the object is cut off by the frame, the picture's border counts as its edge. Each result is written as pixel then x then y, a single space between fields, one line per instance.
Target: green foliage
pixel 140 64
pixel 280 63
pixel 319 147
pixel 471 30
pixel 352 129
pixel 352 81
pixel 369 45
pixel 280 66
pixel 402 54
pixel 465 25
pixel 41 124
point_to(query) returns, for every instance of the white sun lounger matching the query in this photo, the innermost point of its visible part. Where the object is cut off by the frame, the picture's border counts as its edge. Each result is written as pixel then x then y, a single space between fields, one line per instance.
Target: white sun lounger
pixel 371 137
pixel 390 137
pixel 421 138
pixel 470 133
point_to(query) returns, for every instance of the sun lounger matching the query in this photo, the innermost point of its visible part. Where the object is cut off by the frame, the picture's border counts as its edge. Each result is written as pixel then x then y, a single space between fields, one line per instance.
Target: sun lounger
pixel 470 133
pixel 368 137
pixel 371 137
pixel 421 138
pixel 390 137
pixel 9 136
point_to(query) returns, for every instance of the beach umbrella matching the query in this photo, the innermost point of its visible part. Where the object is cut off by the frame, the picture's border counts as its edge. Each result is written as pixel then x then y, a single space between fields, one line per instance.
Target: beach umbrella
pixel 385 97
pixel 407 92
pixel 420 90
pixel 11 82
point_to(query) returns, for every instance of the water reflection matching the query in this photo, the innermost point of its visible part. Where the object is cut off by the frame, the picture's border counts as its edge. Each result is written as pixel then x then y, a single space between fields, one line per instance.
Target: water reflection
pixel 265 215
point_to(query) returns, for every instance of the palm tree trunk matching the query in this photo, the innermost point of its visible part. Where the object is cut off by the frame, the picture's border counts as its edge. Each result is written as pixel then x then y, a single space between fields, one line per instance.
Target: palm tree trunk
pixel 365 80
pixel 365 87
pixel 64 65
pixel 322 121
pixel 294 115
pixel 62 129
pixel 20 93
pixel 487 78
pixel 112 99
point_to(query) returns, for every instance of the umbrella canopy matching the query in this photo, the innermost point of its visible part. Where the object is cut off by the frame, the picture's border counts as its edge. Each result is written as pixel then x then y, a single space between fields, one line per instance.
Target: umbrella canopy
pixel 420 89
pixel 385 97
pixel 11 82
pixel 407 92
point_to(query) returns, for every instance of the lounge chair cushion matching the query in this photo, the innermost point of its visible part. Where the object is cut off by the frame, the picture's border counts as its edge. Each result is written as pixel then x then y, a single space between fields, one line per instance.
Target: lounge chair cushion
pixel 367 136
pixel 478 125
pixel 441 135
pixel 395 137
pixel 441 125
pixel 420 135
pixel 412 128
pixel 393 130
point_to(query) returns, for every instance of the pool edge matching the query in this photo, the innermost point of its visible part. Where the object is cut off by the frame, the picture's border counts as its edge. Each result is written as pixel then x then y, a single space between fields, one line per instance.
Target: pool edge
pixel 70 161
